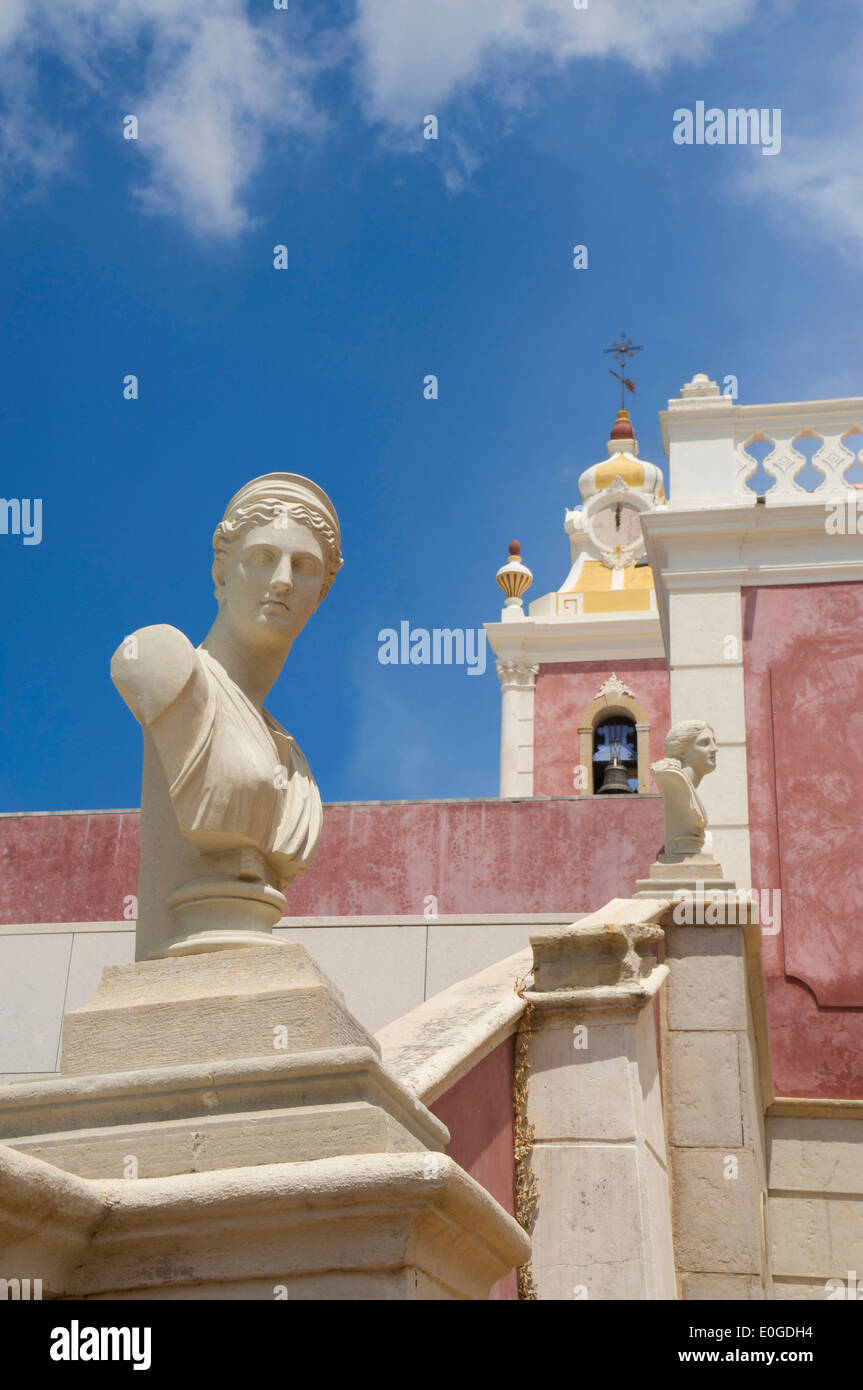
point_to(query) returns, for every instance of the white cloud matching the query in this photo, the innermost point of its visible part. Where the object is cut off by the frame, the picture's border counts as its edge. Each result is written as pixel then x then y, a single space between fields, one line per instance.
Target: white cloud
pixel 211 113
pixel 207 84
pixel 212 81
pixel 415 57
pixel 416 54
pixel 816 182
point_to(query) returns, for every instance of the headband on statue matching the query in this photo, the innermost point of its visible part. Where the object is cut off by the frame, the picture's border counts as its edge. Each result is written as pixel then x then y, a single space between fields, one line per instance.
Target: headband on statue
pixel 289 488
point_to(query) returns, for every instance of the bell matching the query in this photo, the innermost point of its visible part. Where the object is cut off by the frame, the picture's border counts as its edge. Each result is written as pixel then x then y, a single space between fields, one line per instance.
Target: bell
pixel 615 779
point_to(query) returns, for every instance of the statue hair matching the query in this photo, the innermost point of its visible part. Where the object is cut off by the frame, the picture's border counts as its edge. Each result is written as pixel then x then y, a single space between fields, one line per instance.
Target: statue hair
pixel 681 735
pixel 231 527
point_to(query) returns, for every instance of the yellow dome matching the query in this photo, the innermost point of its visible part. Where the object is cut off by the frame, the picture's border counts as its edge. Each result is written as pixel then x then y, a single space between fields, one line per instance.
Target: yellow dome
pixel 633 472
pixel 629 470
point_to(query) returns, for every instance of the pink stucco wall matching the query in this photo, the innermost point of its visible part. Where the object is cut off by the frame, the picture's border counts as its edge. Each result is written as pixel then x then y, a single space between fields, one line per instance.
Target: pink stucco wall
pixel 68 867
pixel 554 855
pixel 803 667
pixel 563 692
pixel 478 1113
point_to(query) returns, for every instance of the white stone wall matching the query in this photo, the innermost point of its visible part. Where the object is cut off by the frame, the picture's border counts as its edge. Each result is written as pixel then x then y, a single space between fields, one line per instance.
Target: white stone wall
pixel 815 1204
pixel 385 966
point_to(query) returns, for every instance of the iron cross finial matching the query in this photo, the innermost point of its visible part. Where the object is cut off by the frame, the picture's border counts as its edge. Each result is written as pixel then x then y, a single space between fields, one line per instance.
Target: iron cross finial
pixel 622 350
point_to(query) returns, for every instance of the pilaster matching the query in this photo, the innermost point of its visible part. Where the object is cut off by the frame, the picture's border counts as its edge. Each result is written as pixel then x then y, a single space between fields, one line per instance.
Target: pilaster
pixel 517 680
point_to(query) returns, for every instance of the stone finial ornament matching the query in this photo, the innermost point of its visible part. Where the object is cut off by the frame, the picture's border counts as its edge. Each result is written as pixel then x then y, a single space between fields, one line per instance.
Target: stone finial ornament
pixel 690 749
pixel 230 812
pixel 699 386
pixel 514 578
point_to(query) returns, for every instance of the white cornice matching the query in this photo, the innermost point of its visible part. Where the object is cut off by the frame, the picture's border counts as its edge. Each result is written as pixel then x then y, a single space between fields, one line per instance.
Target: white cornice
pixel 731 546
pixel 591 637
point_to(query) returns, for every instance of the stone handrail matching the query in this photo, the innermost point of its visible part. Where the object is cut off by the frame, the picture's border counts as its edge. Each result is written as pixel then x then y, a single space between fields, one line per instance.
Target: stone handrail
pixel 440 1041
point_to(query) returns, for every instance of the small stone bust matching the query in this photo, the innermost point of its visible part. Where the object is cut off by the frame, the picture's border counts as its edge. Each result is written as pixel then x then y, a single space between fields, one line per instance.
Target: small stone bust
pixel 690 749
pixel 230 812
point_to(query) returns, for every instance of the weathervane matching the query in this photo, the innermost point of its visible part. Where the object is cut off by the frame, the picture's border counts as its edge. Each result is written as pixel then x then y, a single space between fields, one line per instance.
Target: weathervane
pixel 621 351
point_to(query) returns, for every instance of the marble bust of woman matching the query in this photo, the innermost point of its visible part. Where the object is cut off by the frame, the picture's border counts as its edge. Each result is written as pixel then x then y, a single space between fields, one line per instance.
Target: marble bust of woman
pixel 690 748
pixel 230 812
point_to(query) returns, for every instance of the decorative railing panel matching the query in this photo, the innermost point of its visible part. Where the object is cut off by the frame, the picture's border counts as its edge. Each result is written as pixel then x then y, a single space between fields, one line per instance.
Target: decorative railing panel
pixel 832 461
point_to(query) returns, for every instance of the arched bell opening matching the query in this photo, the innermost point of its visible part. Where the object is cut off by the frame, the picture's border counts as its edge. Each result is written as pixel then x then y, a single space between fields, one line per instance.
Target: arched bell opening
pixel 615 757
pixel 620 709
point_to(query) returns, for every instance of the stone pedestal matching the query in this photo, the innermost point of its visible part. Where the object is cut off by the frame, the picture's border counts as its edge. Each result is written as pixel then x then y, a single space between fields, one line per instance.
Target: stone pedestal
pixel 217 913
pixel 603 1217
pixel 237 1126
pixel 676 873
pixel 220 1005
pixel 717 1071
pixel 397 1227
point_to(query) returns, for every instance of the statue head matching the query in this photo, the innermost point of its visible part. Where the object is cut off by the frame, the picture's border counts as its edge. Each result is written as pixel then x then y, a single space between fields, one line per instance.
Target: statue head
pixel 277 551
pixel 692 744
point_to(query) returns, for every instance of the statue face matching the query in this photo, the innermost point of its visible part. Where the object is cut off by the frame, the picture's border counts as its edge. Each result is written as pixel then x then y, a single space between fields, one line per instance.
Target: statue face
pixel 701 753
pixel 273 581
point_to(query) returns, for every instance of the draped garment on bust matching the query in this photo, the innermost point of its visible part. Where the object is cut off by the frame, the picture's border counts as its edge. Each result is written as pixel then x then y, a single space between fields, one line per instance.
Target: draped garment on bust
pixel 243 780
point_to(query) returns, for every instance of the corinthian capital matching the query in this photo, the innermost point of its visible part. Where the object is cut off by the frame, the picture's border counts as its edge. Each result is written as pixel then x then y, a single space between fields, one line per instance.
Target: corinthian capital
pixel 520 674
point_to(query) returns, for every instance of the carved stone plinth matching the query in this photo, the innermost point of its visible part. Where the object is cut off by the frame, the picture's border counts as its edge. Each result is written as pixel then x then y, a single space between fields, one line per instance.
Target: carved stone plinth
pixel 677 873
pixel 203 1117
pixel 219 1006
pixel 214 1061
pixel 398 1227
pixel 279 1156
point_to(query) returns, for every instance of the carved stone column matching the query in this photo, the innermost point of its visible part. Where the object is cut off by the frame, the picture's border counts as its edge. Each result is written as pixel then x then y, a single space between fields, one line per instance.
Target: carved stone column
pixel 516 726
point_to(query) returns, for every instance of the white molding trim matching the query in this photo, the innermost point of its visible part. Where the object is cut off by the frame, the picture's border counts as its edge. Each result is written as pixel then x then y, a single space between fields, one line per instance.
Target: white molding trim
pixel 602 637
pixel 443 919
pixel 63 928
pixel 730 546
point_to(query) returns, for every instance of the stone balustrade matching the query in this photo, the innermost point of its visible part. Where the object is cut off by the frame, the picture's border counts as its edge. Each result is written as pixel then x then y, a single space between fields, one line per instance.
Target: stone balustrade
pixel 709 440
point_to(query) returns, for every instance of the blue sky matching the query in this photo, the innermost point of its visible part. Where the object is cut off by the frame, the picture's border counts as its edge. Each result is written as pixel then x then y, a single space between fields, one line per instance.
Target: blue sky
pixel 406 257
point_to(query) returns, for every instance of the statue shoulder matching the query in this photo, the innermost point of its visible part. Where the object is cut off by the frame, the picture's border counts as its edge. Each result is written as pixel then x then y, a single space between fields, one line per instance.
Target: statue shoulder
pixel 152 667
pixel 666 765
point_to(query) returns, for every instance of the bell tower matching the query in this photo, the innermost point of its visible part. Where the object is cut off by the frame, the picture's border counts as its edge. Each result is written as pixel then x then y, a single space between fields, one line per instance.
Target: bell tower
pixel 584 682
